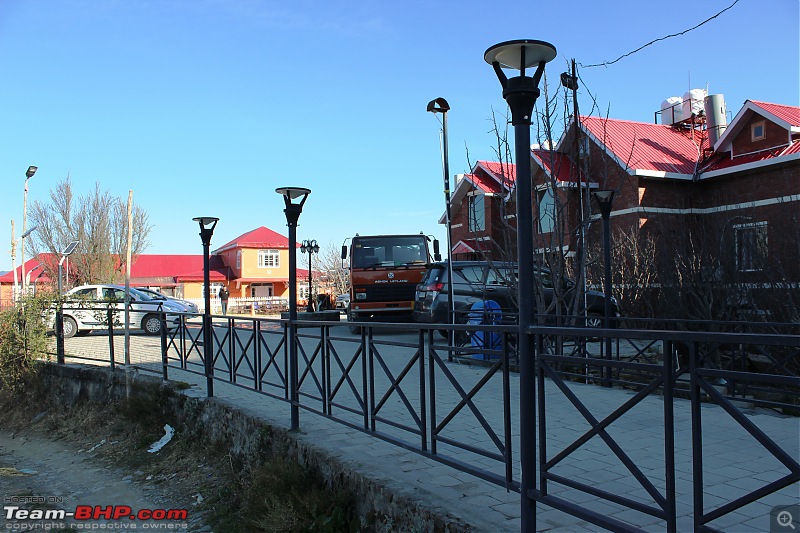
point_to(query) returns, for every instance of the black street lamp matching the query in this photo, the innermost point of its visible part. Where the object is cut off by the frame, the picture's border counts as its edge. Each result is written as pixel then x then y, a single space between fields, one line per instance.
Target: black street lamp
pixel 292 211
pixel 309 247
pixel 440 105
pixel 521 93
pixel 207 225
pixel 59 314
pixel 605 198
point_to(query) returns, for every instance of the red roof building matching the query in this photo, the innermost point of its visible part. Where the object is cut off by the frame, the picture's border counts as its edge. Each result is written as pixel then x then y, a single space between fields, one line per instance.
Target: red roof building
pixel 742 194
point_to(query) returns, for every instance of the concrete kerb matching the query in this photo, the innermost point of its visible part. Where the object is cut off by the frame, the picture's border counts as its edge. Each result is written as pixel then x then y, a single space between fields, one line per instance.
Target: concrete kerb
pixel 243 433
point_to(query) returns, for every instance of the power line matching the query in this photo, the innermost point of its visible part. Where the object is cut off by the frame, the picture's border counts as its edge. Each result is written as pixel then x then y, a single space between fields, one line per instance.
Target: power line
pixel 606 63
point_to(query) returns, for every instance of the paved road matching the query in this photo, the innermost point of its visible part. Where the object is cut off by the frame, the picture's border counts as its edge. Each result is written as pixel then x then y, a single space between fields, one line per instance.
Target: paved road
pixel 734 461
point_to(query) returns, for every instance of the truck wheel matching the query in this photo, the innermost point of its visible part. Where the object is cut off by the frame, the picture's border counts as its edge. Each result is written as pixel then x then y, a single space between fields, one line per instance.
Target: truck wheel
pixel 151 324
pixel 70 327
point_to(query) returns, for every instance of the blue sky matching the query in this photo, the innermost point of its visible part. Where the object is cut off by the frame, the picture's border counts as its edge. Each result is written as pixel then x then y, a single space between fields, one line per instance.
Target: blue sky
pixel 204 107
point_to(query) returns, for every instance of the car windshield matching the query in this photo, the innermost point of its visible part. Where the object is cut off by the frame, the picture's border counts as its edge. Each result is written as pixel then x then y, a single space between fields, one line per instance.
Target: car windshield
pixel 140 295
pixel 152 294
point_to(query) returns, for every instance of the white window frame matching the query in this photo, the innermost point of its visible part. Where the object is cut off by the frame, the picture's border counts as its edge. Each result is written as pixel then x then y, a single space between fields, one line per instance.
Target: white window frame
pixel 546 212
pixel 476 212
pixel 269 258
pixel 760 124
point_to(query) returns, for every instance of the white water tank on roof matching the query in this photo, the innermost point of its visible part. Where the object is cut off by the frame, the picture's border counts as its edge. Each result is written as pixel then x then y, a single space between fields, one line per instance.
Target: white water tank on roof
pixel 693 102
pixel 672 110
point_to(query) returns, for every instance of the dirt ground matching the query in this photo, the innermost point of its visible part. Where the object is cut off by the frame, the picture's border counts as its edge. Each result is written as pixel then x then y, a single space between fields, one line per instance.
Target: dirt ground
pixel 51 463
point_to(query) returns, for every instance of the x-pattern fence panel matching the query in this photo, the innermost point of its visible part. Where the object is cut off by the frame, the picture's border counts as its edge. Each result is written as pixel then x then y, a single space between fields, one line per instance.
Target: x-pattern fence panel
pixel 405 385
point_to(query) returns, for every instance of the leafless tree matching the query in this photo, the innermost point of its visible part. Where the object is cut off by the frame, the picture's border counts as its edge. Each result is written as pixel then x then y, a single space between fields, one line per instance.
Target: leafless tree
pixel 329 263
pixel 98 221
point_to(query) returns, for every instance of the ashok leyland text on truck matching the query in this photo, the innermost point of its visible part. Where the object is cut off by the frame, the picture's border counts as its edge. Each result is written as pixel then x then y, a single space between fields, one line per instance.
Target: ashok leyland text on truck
pixel 384 273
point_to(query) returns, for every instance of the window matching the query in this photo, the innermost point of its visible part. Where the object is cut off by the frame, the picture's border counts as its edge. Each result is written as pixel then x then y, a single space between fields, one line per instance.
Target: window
pixel 547 211
pixel 758 131
pixel 751 246
pixel 238 259
pixel 269 259
pixel 215 288
pixel 477 213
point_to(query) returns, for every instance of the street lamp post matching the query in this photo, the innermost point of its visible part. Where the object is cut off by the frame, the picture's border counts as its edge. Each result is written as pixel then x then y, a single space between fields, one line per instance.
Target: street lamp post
pixel 309 247
pixel 292 211
pixel 605 198
pixel 28 175
pixel 440 105
pixel 59 314
pixel 207 225
pixel 521 93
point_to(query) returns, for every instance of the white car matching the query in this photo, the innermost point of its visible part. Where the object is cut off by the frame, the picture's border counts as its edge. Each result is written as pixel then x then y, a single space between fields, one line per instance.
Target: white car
pixel 85 310
pixel 188 306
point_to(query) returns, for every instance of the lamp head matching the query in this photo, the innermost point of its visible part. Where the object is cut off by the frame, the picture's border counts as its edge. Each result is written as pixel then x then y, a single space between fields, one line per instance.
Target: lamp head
pixel 520 54
pixel 206 223
pixel 604 196
pixel 439 105
pixel 292 193
pixel 31 171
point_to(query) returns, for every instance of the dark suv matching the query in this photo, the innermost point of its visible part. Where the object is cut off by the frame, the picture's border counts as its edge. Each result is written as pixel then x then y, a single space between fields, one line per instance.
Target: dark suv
pixel 477 281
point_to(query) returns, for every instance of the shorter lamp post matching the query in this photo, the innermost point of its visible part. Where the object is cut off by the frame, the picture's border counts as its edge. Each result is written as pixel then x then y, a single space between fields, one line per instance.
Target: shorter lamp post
pixel 207 225
pixel 59 314
pixel 16 291
pixel 292 211
pixel 605 199
pixel 309 247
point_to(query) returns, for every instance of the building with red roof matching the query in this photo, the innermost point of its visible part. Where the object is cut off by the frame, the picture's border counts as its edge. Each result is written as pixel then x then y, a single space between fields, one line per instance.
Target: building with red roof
pixel 255 264
pixel 729 192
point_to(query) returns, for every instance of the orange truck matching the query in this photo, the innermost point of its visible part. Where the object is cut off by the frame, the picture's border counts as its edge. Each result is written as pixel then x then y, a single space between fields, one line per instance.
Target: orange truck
pixel 384 273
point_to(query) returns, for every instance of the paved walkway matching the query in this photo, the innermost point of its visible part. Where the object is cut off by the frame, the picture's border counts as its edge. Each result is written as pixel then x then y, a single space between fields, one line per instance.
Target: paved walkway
pixel 734 461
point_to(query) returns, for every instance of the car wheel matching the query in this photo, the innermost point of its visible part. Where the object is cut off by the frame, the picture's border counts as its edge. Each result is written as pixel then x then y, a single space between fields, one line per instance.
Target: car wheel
pixel 151 324
pixel 70 327
pixel 594 320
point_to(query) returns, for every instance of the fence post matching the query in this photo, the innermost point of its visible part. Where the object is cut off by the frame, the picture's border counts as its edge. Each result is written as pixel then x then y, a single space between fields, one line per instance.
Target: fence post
pixel 164 361
pixel 110 323
pixel 669 436
pixel 60 335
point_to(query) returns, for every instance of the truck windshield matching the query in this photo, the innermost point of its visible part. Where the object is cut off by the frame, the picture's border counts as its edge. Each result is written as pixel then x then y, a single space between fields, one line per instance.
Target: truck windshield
pixel 389 251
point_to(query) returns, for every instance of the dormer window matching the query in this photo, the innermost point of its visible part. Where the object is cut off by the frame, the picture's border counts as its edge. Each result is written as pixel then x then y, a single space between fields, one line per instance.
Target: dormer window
pixel 758 131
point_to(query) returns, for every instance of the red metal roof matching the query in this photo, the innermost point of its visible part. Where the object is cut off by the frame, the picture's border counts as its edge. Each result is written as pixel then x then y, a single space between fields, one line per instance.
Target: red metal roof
pixel 788 113
pixel 258 238
pixel 649 147
pixel 556 164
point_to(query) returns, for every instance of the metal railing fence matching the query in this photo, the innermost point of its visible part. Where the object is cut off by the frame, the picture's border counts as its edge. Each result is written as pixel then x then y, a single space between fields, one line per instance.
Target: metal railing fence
pixel 406 385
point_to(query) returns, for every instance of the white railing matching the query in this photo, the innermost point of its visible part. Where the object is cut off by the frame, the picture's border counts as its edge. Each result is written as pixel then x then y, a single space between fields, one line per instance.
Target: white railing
pixel 258 305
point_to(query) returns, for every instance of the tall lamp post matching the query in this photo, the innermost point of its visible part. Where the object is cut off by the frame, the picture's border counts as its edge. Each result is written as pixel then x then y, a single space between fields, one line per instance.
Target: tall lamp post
pixel 59 314
pixel 309 247
pixel 521 93
pixel 292 210
pixel 440 105
pixel 28 175
pixel 207 225
pixel 605 199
